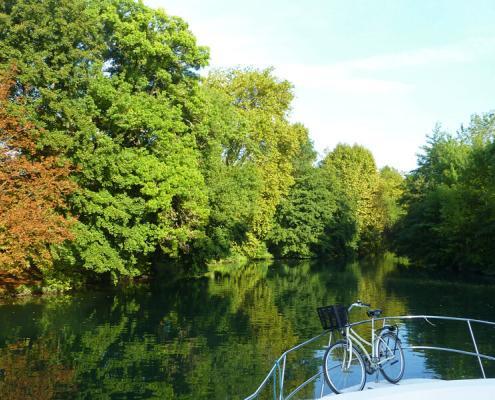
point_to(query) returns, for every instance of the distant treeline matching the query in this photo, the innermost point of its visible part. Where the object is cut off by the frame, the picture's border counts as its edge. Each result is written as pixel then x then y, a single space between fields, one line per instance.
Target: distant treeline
pixel 117 156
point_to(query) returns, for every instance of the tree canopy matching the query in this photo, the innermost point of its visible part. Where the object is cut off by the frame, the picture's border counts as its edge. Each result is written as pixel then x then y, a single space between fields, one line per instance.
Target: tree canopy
pixel 449 201
pixel 33 186
pixel 131 159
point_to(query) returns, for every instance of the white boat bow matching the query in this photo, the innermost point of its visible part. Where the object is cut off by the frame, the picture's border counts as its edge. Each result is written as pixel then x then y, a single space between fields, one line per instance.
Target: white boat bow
pixel 424 389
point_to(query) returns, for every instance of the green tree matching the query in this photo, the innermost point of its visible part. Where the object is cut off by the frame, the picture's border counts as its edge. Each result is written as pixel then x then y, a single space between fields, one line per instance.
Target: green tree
pixel 306 211
pixel 233 182
pixel 429 195
pixel 114 85
pixel 259 136
pixel 358 180
pixel 390 191
pixel 449 201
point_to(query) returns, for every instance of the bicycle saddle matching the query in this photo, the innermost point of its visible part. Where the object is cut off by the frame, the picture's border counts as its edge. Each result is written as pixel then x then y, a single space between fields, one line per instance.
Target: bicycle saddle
pixel 374 313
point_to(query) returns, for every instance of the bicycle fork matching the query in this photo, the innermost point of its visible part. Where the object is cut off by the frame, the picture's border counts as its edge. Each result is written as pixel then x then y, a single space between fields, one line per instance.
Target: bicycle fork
pixel 347 357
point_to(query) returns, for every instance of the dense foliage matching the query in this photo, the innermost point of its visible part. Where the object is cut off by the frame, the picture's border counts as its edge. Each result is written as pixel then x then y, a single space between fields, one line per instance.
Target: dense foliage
pixel 141 161
pixel 450 201
pixel 114 86
pixel 33 185
pixel 309 208
pixel 249 146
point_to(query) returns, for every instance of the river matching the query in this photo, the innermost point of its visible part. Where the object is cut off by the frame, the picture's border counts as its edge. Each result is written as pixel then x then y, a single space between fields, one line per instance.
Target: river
pixel 215 336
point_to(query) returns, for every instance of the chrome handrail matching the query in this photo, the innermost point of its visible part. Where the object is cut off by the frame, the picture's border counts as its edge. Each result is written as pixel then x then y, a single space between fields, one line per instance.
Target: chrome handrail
pixel 283 358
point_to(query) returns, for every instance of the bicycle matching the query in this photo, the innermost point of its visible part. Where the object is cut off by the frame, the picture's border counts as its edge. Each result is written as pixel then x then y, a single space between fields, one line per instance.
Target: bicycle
pixel 347 361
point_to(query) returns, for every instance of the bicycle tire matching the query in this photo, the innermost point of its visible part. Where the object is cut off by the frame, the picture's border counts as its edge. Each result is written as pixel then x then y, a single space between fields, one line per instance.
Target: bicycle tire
pixel 388 345
pixel 343 379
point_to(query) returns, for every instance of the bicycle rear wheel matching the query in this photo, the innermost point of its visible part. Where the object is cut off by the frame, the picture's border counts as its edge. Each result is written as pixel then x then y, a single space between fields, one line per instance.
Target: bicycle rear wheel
pixel 391 356
pixel 343 370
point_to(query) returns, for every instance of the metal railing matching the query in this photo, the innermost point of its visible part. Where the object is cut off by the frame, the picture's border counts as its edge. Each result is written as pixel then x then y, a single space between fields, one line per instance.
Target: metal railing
pixel 277 372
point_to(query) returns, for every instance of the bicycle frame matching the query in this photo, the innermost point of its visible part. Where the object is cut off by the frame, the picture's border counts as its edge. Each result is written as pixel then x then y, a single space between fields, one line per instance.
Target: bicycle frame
pixel 353 338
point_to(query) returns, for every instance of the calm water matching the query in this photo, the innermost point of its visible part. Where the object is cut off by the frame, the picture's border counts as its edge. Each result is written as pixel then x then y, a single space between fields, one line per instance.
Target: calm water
pixel 216 336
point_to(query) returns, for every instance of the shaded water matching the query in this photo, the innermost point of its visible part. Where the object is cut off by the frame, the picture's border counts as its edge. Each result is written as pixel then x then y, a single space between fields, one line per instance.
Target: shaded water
pixel 216 336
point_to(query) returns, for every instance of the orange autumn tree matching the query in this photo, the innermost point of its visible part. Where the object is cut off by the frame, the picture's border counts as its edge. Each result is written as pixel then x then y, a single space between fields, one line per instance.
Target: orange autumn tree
pixel 33 186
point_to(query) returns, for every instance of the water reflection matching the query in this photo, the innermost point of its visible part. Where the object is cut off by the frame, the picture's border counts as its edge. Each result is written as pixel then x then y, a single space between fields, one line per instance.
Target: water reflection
pixel 216 336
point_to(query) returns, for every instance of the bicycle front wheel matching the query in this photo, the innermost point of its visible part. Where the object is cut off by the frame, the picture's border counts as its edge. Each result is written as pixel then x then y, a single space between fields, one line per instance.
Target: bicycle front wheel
pixel 391 357
pixel 343 369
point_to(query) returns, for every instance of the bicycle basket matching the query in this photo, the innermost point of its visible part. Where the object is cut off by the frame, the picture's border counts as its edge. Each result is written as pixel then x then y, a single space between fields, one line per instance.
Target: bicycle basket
pixel 333 317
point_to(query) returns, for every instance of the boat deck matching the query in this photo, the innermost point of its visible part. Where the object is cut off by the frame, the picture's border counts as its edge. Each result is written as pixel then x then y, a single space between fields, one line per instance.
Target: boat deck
pixel 424 389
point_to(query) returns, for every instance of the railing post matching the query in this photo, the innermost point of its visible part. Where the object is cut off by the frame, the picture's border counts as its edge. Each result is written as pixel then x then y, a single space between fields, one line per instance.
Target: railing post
pixel 275 372
pixel 476 348
pixel 322 373
pixel 281 397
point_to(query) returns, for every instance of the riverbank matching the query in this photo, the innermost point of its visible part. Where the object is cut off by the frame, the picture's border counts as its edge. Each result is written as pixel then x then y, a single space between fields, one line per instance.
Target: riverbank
pixel 12 286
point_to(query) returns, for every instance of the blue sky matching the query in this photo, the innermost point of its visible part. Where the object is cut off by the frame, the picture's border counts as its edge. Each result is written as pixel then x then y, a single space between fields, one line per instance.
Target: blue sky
pixel 380 73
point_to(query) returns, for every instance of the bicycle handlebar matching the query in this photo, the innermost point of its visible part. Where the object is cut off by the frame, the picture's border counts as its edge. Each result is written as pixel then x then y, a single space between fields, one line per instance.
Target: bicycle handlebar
pixel 359 303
